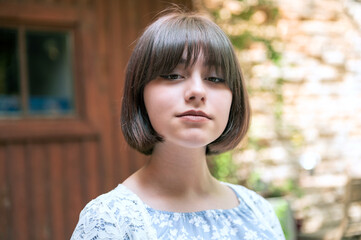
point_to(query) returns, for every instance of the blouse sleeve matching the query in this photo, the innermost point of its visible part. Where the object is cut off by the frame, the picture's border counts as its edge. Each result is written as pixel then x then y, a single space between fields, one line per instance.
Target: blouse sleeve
pixel 97 221
pixel 262 208
pixel 268 214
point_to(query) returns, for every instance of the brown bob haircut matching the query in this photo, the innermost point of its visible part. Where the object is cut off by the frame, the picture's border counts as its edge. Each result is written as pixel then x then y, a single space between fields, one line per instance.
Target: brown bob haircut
pixel 158 51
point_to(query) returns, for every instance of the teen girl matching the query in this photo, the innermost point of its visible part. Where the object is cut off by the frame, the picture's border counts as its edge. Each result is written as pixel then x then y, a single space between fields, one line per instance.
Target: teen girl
pixel 184 98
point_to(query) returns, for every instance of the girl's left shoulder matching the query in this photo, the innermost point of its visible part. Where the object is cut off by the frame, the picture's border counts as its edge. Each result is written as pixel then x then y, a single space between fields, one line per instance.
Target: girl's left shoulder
pixel 248 195
pixel 260 207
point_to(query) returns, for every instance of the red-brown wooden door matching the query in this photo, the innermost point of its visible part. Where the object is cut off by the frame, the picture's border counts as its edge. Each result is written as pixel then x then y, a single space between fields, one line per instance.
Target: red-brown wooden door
pixel 50 167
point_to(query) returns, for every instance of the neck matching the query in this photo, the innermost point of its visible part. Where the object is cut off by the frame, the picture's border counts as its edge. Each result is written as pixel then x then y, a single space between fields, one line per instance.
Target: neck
pixel 179 180
pixel 178 171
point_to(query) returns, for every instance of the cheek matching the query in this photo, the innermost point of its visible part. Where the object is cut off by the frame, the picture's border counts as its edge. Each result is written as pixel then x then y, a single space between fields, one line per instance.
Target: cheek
pixel 228 103
pixel 156 100
pixel 223 102
pixel 223 108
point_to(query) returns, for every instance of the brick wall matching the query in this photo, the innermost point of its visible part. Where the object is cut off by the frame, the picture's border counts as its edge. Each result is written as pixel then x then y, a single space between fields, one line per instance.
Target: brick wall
pixel 307 107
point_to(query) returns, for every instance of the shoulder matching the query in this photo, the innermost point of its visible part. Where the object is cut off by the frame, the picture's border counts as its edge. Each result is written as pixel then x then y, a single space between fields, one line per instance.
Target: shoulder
pixel 113 215
pixel 261 208
pixel 249 196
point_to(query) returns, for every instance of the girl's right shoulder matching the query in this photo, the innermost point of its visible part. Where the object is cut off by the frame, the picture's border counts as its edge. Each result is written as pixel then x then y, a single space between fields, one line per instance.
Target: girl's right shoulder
pixel 113 215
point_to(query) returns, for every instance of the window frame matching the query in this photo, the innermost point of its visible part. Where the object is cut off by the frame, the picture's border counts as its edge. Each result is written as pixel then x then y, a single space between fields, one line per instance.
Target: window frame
pixel 48 18
pixel 23 64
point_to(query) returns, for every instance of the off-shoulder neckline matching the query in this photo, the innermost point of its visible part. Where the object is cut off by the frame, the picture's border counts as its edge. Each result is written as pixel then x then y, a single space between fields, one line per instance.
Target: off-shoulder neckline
pixel 200 212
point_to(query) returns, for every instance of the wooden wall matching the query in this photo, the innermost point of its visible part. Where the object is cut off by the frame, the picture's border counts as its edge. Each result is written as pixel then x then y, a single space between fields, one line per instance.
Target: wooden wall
pixel 44 184
pixel 50 168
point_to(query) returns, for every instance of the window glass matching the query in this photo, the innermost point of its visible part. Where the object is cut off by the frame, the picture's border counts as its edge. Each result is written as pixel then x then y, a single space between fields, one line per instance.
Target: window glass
pixel 49 68
pixel 10 100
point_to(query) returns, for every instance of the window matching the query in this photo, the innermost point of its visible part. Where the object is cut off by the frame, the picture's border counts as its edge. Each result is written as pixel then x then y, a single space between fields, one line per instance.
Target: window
pixel 36 75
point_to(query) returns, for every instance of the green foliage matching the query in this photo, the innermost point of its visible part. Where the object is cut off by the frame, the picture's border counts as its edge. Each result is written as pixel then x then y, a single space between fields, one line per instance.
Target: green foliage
pixel 278 106
pixel 270 14
pixel 256 183
pixel 272 54
pixel 246 14
pixel 282 208
pixel 248 28
pixel 242 41
pixel 223 168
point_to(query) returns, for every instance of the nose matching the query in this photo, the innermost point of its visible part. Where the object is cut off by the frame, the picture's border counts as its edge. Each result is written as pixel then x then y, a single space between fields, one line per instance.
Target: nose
pixel 195 90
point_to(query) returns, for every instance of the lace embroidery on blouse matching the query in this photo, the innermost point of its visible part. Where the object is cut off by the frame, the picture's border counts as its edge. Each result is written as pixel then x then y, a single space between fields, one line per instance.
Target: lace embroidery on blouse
pixel 120 214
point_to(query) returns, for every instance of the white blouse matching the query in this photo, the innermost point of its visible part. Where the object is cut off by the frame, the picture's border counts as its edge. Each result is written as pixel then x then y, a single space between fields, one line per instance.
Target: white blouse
pixel 121 214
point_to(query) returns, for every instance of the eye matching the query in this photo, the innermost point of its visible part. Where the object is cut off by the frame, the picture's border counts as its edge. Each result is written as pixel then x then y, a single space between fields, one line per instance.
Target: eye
pixel 171 76
pixel 215 79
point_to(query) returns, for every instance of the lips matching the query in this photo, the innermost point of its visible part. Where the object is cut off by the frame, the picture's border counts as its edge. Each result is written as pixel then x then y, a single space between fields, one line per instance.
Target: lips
pixel 194 113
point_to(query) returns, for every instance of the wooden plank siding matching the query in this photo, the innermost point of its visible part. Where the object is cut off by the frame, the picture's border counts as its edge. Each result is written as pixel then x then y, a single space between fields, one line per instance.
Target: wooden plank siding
pixel 4 197
pixel 49 183
pixel 50 168
pixel 56 193
pixel 18 178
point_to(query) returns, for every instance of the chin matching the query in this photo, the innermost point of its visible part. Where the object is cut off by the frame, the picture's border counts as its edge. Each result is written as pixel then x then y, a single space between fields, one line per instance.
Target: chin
pixel 195 143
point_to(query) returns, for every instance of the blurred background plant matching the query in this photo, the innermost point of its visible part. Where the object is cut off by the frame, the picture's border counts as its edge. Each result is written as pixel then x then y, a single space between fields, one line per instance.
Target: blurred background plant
pixel 251 26
pixel 301 64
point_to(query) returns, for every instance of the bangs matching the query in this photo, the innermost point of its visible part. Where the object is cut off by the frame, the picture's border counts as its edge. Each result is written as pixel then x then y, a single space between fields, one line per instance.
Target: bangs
pixel 185 39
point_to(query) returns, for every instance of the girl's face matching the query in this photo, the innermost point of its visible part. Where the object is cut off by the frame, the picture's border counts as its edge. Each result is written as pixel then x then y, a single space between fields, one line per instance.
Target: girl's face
pixel 190 106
